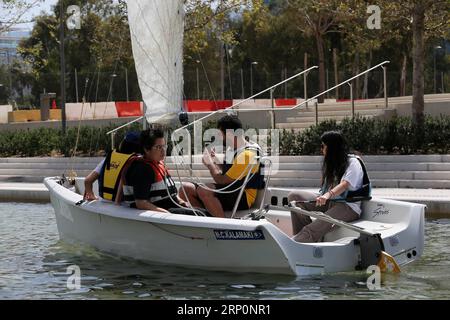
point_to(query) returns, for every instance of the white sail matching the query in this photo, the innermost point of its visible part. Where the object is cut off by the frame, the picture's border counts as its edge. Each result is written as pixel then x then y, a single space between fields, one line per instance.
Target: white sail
pixel 156 28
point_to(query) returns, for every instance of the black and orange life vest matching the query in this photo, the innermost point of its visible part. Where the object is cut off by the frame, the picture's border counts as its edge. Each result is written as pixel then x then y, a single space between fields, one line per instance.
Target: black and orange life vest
pixel 163 187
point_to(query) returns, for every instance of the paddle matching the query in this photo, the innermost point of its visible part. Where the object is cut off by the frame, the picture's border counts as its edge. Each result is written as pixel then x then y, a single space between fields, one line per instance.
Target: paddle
pixel 371 244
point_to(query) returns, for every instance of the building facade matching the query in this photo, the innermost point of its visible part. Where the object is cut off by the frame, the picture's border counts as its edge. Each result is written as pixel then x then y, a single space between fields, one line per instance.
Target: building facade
pixel 9 41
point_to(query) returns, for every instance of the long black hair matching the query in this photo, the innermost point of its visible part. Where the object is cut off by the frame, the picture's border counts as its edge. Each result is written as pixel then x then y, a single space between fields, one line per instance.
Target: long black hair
pixel 335 161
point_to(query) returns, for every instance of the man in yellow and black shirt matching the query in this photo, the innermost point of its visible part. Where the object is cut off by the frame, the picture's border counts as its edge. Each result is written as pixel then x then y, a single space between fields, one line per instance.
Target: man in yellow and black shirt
pixel 231 175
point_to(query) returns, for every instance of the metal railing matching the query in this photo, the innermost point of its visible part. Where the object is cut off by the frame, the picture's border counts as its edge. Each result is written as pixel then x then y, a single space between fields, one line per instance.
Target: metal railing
pixel 348 81
pixel 113 132
pixel 271 89
pixel 272 109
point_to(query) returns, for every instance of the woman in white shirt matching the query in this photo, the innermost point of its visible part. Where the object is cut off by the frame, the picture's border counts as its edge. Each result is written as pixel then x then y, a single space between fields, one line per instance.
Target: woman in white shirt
pixel 343 177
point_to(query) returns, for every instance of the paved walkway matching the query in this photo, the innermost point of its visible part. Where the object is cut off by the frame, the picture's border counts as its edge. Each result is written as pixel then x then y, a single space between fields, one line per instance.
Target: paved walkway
pixel 23 192
pixel 437 200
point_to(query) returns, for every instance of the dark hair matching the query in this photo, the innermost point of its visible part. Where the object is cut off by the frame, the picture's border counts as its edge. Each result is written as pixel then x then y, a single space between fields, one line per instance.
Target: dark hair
pixel 128 147
pixel 229 122
pixel 130 143
pixel 335 161
pixel 149 136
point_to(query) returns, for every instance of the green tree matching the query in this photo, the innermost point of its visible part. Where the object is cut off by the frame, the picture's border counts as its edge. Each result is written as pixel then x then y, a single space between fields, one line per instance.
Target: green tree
pixel 317 18
pixel 210 29
pixel 428 20
pixel 208 18
pixel 99 49
pixel 269 35
pixel 361 42
pixel 407 28
pixel 102 47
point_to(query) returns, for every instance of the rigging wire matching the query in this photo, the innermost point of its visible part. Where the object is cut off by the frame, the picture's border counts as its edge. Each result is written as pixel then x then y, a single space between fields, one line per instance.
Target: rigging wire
pixel 121 41
pixel 72 173
pixel 206 76
pixel 229 71
pixel 119 51
pixel 203 185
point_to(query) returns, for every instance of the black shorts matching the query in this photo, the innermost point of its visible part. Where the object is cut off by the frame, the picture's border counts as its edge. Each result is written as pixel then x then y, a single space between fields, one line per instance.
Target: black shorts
pixel 228 200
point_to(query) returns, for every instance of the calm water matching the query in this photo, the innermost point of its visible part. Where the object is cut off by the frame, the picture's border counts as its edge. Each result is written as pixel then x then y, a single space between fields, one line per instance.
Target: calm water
pixel 33 264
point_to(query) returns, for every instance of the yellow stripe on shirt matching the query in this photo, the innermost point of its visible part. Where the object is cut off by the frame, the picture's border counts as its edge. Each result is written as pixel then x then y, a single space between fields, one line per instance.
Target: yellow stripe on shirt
pixel 242 163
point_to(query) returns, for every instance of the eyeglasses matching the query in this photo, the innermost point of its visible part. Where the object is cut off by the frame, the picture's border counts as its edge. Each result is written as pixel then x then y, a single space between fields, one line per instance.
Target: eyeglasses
pixel 160 147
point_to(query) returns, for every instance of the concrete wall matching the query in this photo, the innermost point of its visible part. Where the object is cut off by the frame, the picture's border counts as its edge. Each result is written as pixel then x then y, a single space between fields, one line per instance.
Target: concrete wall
pixel 70 124
pixel 24 116
pixel 398 171
pixel 258 119
pixel 88 111
pixel 4 109
pixel 253 119
pixel 435 108
pixel 106 113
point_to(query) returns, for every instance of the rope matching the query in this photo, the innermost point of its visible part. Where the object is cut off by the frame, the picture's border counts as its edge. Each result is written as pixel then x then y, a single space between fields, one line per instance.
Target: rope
pixel 190 207
pixel 110 84
pixel 206 76
pixel 72 173
pixel 204 186
pixel 229 72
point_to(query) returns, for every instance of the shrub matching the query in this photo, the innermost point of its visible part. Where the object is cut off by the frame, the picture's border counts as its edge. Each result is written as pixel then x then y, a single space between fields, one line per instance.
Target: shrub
pixel 368 136
pixel 374 136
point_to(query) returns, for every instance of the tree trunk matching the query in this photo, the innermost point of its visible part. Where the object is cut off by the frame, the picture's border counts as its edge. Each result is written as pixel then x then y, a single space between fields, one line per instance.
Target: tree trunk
pixel 321 54
pixel 418 63
pixel 356 71
pixel 365 94
pixel 336 75
pixel 403 76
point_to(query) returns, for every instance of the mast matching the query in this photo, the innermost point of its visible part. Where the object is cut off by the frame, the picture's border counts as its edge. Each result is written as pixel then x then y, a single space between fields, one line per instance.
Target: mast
pixel 62 66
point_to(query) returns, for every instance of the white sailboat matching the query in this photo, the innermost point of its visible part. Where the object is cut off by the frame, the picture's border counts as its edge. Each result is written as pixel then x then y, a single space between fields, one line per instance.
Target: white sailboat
pixel 255 240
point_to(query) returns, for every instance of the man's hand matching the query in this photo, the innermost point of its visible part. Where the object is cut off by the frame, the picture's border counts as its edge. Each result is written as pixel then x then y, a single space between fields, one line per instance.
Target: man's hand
pixel 208 158
pixel 89 196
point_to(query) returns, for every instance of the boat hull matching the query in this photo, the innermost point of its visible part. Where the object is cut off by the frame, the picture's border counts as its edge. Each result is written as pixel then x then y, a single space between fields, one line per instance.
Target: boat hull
pixel 263 246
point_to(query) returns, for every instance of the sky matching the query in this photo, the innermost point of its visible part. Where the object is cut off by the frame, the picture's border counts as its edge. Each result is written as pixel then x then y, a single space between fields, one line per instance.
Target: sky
pixel 45 5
